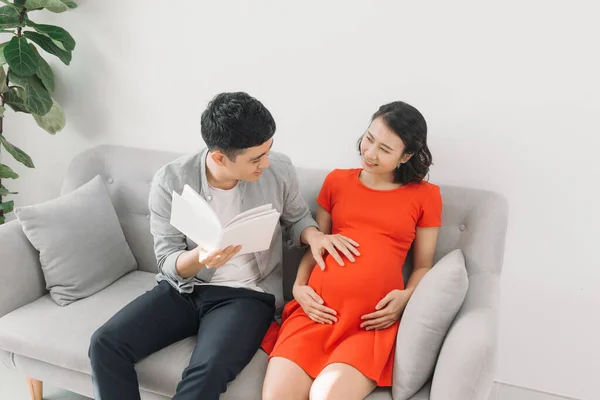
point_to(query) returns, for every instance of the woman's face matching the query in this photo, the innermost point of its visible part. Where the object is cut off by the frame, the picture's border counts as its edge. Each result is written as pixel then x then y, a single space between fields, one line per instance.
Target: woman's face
pixel 381 149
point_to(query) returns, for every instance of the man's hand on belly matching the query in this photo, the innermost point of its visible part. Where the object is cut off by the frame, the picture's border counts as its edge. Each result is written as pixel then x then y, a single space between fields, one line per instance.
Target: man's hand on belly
pixel 321 243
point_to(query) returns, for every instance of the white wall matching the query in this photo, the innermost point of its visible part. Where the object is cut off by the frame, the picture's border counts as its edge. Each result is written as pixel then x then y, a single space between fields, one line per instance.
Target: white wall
pixel 511 92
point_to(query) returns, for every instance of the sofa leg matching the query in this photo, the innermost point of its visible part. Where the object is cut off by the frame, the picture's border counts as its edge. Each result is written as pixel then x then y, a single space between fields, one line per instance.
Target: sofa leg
pixel 35 388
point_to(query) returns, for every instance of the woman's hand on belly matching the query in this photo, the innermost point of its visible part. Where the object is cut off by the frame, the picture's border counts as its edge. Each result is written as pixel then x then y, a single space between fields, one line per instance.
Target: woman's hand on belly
pixel 388 310
pixel 312 304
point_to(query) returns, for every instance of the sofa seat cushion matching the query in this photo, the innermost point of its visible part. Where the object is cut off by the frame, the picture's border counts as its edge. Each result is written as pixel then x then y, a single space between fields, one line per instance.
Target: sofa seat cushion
pixel 57 335
pixel 60 336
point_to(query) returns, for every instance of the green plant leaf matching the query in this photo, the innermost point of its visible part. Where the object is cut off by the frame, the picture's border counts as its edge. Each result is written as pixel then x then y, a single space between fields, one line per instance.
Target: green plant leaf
pixel 55 6
pixel 20 58
pixel 44 72
pixel 9 14
pixel 70 3
pixel 7 173
pixel 19 3
pixel 48 45
pixel 9 17
pixel 55 33
pixel 17 153
pixel 7 207
pixel 17 79
pixel 37 98
pixel 3 86
pixel 54 120
pixel 35 95
pixel 2 110
pixel 14 98
pixel 2 59
pixel 5 192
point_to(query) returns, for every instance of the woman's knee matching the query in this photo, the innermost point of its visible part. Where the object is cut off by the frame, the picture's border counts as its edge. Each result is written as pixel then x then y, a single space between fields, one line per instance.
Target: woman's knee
pixel 318 391
pixel 277 391
pixel 326 390
pixel 280 388
pixel 341 382
pixel 285 381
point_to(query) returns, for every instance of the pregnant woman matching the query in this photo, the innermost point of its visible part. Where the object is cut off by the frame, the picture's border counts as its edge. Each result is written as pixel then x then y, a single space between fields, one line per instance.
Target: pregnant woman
pixel 337 337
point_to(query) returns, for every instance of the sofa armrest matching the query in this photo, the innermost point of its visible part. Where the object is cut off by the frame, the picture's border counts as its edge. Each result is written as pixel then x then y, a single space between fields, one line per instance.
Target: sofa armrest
pixel 467 361
pixel 21 278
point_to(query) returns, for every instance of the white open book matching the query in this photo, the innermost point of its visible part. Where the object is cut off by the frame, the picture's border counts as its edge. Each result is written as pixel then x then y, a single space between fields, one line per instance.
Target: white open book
pixel 195 218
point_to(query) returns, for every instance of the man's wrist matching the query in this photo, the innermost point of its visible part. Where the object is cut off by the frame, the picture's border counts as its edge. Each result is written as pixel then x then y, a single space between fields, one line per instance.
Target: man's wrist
pixel 298 283
pixel 194 255
pixel 310 234
pixel 188 263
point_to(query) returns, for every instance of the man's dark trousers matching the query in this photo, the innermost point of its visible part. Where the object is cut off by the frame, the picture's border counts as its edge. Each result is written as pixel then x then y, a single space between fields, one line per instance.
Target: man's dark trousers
pixel 230 324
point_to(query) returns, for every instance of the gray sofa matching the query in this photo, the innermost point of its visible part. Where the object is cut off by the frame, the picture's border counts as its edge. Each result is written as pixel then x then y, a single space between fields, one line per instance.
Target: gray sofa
pixel 50 343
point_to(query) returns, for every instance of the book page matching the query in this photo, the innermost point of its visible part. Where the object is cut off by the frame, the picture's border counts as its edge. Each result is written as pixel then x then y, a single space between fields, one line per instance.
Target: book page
pixel 254 234
pixel 201 206
pixel 252 211
pixel 238 219
pixel 201 227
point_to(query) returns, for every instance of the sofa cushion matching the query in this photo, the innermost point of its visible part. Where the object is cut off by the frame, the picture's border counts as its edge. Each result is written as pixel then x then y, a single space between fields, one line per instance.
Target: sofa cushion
pixel 425 322
pixel 60 336
pixel 81 244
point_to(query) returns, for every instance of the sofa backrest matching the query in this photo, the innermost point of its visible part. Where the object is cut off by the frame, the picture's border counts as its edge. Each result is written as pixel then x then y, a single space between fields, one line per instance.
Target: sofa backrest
pixel 473 220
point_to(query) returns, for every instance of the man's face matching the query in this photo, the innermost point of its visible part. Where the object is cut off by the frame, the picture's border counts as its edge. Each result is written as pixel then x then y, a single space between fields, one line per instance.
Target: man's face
pixel 249 164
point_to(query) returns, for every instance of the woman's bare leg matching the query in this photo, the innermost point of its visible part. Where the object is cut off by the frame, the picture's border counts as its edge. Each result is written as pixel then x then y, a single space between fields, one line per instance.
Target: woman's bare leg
pixel 341 382
pixel 285 380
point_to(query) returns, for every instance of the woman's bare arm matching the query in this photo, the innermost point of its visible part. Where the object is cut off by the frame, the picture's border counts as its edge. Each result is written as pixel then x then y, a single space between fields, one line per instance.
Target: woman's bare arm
pixel 423 254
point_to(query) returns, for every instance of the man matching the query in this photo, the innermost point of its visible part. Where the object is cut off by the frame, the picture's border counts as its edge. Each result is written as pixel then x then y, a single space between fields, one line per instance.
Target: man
pixel 227 300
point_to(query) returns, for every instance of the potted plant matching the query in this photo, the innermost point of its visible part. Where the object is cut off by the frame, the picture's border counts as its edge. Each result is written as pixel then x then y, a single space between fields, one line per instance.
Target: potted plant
pixel 26 79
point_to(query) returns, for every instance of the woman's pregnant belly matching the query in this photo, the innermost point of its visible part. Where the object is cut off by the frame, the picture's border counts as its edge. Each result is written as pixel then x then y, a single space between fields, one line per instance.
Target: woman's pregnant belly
pixel 358 286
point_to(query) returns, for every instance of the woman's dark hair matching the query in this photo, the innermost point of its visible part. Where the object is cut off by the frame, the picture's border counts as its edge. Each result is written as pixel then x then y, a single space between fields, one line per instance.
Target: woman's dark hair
pixel 409 124
pixel 233 122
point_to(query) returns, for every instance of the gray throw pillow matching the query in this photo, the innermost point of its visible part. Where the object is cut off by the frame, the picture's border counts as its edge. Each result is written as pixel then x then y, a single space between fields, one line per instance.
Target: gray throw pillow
pixel 425 322
pixel 81 244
